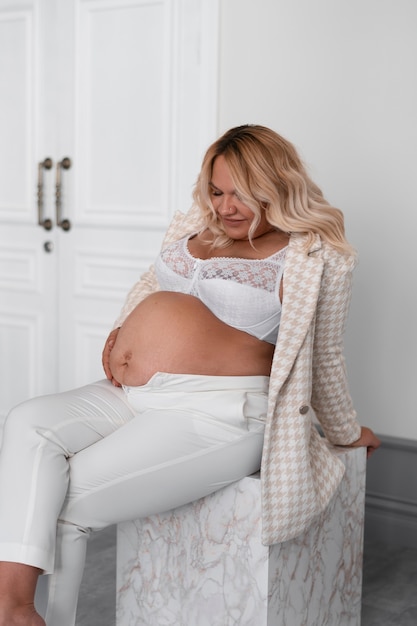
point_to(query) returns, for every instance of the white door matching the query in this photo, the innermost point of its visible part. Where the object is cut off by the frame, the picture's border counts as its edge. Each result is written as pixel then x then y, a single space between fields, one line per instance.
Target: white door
pixel 121 97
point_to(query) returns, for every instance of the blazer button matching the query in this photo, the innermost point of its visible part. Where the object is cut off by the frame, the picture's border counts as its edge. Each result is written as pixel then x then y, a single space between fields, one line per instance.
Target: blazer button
pixel 304 409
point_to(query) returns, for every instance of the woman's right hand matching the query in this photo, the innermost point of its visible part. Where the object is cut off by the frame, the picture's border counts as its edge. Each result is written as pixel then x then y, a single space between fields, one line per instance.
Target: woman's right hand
pixel 105 358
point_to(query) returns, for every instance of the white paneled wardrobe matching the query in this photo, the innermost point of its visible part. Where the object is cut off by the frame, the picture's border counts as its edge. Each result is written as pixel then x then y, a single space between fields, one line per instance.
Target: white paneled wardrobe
pixel 106 107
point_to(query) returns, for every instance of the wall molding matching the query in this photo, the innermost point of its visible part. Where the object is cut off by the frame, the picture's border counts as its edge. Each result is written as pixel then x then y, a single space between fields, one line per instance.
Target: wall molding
pixel 391 493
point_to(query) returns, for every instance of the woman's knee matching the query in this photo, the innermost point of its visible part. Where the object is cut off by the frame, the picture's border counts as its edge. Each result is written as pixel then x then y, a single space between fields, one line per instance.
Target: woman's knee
pixel 25 418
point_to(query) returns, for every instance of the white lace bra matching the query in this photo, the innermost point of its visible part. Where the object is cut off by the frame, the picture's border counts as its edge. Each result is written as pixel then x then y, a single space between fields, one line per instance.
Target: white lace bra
pixel 243 293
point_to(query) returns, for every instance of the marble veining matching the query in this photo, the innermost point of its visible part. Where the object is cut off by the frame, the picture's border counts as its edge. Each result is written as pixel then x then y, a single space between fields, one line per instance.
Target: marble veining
pixel 204 564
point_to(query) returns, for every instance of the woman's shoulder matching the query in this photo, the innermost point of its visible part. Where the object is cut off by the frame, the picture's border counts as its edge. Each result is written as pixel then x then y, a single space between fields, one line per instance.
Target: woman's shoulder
pixel 316 245
pixel 344 260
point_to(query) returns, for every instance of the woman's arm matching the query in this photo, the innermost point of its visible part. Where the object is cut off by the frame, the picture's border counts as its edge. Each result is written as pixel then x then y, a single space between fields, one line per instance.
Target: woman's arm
pixel 144 287
pixel 331 398
pixel 368 439
pixel 181 224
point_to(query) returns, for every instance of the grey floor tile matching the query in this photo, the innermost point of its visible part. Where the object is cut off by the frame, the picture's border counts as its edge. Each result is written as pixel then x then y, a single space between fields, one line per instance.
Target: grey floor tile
pixel 372 616
pixel 389 596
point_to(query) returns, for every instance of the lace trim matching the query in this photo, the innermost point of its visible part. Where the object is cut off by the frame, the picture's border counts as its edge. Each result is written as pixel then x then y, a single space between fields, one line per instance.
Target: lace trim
pixel 257 273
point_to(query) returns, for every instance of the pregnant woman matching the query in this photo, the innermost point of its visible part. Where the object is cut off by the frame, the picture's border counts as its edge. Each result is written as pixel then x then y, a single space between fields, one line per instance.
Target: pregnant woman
pixel 223 353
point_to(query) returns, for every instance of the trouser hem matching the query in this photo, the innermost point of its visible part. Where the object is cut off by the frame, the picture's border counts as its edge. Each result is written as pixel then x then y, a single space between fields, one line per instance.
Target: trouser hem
pixel 27 555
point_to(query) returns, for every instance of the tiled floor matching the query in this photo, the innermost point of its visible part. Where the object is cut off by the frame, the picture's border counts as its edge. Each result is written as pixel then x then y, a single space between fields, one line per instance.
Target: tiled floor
pixel 389 595
pixel 389 584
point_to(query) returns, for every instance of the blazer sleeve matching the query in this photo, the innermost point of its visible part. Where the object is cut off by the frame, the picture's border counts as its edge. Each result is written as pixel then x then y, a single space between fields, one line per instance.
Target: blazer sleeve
pixel 146 285
pixel 331 398
pixel 181 225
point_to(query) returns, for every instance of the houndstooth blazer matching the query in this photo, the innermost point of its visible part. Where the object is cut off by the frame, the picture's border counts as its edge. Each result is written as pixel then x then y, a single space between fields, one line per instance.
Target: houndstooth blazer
pixel 308 382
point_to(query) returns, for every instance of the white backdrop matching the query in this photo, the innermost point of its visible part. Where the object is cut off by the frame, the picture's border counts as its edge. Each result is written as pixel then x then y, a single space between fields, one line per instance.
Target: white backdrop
pixel 339 79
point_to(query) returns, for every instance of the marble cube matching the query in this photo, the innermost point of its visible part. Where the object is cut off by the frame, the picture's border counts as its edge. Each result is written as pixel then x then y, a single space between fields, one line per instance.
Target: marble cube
pixel 203 564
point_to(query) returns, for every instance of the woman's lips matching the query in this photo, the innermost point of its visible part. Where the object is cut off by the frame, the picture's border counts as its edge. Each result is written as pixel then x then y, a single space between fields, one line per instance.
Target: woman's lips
pixel 232 222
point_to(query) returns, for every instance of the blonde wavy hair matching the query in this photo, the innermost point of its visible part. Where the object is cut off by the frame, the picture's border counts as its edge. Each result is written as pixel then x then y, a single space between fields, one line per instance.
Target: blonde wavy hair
pixel 269 176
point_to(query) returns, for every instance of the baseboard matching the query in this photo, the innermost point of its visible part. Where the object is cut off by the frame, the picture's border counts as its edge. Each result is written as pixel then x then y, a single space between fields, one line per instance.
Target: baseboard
pixel 391 493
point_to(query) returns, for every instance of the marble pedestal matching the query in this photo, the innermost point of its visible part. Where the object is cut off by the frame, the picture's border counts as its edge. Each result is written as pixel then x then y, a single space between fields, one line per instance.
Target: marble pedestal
pixel 204 564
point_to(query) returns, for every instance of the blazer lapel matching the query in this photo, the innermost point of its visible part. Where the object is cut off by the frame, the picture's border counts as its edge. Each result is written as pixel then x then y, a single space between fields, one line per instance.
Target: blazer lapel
pixel 302 277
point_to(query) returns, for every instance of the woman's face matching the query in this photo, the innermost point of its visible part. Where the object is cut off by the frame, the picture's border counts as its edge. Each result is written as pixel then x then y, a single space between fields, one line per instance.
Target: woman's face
pixel 234 215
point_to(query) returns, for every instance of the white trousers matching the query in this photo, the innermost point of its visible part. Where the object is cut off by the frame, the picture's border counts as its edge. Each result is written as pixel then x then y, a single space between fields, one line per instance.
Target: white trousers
pixel 85 459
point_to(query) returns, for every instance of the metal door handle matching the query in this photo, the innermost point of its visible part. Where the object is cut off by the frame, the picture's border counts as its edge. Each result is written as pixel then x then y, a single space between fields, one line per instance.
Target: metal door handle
pixel 64 164
pixel 46 164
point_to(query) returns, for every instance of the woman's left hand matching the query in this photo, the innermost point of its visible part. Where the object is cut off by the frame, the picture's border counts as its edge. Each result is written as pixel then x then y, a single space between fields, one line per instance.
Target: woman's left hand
pixel 368 439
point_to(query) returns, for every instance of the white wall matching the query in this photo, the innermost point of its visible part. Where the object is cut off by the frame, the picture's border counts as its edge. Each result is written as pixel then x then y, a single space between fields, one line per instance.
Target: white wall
pixel 339 79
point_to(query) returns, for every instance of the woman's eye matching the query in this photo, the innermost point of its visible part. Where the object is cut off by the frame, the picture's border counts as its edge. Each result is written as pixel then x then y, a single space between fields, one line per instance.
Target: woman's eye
pixel 216 193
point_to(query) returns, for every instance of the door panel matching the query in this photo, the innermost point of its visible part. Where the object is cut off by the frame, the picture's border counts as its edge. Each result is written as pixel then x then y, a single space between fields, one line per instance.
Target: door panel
pixel 28 305
pixel 28 315
pixel 138 91
pixel 17 113
pixel 126 91
pixel 123 112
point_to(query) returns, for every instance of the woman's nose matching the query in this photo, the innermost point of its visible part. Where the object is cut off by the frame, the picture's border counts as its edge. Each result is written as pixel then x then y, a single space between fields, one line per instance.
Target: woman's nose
pixel 226 207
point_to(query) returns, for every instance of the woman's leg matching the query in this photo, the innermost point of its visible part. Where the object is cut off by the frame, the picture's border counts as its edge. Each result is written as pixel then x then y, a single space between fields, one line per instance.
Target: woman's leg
pixel 177 450
pixel 40 436
pixel 17 590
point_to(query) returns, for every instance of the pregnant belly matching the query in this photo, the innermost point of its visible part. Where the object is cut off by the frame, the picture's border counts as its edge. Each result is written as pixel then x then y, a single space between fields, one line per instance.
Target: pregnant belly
pixel 177 333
